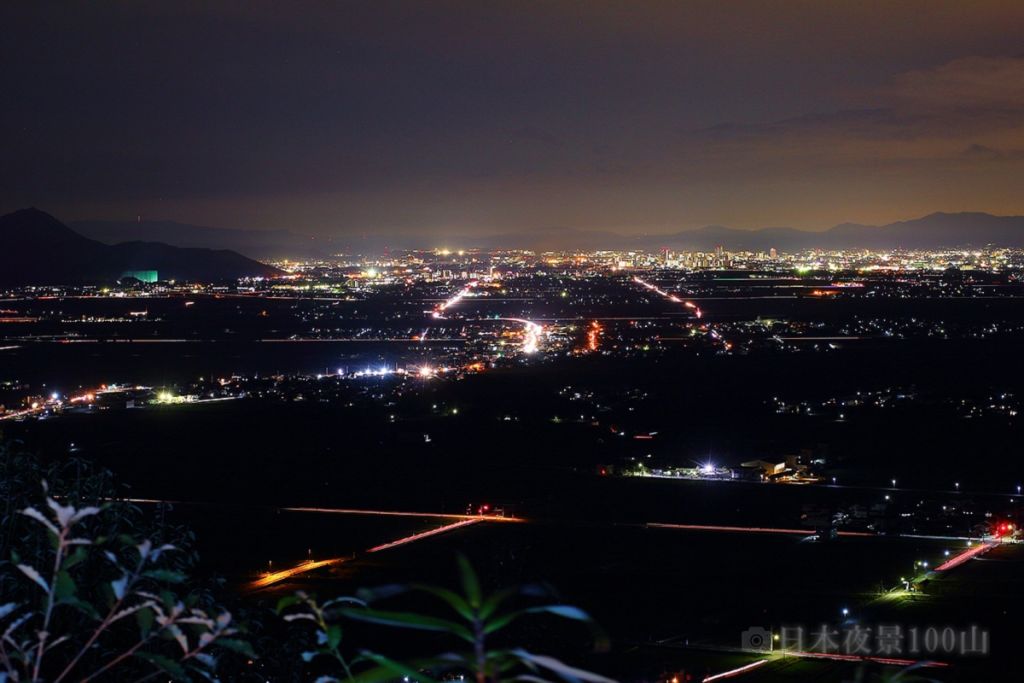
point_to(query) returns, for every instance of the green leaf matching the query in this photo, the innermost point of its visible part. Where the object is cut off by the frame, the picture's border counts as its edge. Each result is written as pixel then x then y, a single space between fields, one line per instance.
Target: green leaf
pixel 31 573
pixel 173 668
pixel 39 517
pixel 387 669
pixel 470 582
pixel 576 614
pixel 286 602
pixel 333 636
pixel 207 660
pixel 165 575
pixel 242 647
pixel 82 606
pixel 449 596
pixel 566 611
pixel 408 620
pixel 494 601
pixel 119 586
pixel 64 586
pixel 568 673
pixel 501 621
pixel 75 557
pixel 144 618
pixel 344 600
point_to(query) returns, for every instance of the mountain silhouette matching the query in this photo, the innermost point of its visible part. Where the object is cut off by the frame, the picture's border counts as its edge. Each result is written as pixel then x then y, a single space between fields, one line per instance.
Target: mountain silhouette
pixel 39 249
pixel 932 231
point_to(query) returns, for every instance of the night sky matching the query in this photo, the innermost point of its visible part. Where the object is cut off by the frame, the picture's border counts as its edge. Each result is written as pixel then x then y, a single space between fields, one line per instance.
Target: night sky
pixel 487 116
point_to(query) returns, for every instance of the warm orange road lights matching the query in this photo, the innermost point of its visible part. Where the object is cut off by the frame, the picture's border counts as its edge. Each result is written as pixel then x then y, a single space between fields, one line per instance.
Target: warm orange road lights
pixel 276 577
pixel 308 566
pixel 594 336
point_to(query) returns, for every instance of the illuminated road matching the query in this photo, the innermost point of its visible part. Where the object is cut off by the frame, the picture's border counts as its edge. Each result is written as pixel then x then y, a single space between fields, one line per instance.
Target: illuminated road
pixel 671 297
pixel 454 299
pixel 398 513
pixel 890 661
pixel 278 576
pixel 779 656
pixel 275 577
pixel 966 555
pixel 531 335
pixel 688 304
pixel 424 534
pixel 737 671
pixel 750 529
pixel 959 559
pixel 594 336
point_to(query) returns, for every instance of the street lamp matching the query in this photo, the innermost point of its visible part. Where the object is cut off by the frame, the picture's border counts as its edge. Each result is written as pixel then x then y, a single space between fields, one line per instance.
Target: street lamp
pixel 845 611
pixel 894 483
pixel 957 485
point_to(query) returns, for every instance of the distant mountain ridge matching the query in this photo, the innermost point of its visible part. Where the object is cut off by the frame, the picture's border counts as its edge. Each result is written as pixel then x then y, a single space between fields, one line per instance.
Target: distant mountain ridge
pixel 36 248
pixel 258 243
pixel 969 229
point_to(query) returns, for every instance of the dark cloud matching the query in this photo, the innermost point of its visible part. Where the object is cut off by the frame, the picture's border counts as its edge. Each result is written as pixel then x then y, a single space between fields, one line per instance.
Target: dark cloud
pixel 454 116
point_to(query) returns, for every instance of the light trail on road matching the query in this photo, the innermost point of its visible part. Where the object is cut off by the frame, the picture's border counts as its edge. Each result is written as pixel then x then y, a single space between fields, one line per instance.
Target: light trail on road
pixel 966 555
pixel 726 344
pixel 454 299
pixel 344 511
pixel 751 529
pixel 308 566
pixel 891 661
pixel 671 297
pixel 738 529
pixel 531 335
pixel 737 671
pixel 424 534
pixel 276 577
pixel 399 513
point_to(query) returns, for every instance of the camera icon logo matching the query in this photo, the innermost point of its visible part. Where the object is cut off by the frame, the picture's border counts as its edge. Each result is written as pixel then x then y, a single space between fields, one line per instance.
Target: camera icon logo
pixel 756 638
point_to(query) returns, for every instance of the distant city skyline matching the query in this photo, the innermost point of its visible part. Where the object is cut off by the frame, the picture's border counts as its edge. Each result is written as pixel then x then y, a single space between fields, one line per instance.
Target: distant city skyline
pixel 459 118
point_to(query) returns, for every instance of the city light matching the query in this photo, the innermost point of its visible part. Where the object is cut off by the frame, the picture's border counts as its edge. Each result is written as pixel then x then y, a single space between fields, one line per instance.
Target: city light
pixel 699 258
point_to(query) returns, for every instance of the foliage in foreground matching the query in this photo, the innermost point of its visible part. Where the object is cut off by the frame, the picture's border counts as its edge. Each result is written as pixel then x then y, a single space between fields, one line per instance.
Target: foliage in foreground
pixel 84 598
pixel 473 621
pixel 65 630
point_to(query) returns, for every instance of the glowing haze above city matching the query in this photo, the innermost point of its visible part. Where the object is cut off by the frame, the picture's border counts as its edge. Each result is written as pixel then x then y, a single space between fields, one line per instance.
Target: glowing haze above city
pixel 459 118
